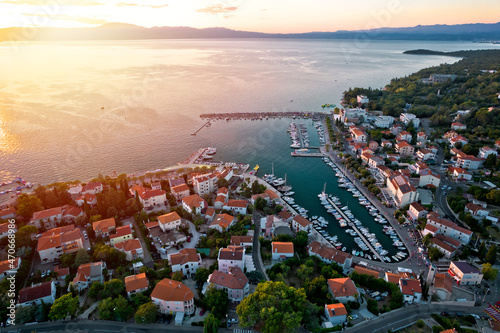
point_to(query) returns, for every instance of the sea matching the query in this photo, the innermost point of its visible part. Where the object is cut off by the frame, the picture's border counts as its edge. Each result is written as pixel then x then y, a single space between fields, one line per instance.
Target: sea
pixel 71 110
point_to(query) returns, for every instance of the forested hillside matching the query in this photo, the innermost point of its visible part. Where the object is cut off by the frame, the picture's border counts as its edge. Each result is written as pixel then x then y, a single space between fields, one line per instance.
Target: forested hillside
pixel 476 87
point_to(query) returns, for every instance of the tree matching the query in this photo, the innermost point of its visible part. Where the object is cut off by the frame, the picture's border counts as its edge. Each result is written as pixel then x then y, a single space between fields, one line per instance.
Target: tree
pixel 95 290
pixel 211 324
pixel 491 256
pixel 64 306
pixel 25 314
pixel 82 257
pixel 113 288
pixel 110 255
pixel 23 235
pixel 201 275
pixel 177 276
pixel 139 299
pixel 274 307
pixel 115 309
pixel 482 250
pixel 146 314
pixel 27 205
pixel 260 203
pixel 216 302
pixel 435 254
pixel 489 272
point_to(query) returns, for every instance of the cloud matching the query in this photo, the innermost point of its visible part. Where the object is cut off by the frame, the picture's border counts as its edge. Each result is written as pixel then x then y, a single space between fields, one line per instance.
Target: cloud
pixel 217 9
pixel 79 19
pixel 126 4
pixel 42 3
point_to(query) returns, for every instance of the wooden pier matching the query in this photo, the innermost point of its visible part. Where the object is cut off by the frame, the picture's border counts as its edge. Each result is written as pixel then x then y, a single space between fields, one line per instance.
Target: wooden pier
pixel 201 127
pixel 351 224
pixel 262 115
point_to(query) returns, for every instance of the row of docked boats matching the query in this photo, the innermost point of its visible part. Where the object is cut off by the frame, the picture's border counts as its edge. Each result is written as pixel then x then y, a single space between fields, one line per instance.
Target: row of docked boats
pixel 294 135
pixel 345 183
pixel 321 132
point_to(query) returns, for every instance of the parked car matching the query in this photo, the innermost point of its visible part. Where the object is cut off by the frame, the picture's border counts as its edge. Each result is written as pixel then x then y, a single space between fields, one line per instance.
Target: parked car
pixel 233 320
pixel 459 314
pixel 445 314
pixel 202 312
pixel 353 317
pixel 188 239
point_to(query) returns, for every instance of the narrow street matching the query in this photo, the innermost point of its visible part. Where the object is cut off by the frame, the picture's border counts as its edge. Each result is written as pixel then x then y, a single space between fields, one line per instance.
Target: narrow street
pixel 257 259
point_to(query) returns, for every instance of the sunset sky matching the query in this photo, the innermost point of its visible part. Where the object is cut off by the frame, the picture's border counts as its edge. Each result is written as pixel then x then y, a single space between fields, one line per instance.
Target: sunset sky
pixel 283 16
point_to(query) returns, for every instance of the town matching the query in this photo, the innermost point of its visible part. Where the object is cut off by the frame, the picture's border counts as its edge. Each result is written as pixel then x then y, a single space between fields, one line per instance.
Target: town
pixel 213 245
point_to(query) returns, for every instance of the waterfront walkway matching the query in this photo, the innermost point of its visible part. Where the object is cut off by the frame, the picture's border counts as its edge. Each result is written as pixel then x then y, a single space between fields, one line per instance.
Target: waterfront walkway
pixel 375 253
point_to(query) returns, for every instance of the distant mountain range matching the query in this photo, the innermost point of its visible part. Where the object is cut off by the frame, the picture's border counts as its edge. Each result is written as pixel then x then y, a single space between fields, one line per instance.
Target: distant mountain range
pixel 122 31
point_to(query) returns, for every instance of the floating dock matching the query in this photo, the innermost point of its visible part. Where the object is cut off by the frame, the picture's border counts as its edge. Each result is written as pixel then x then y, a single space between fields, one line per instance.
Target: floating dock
pixel 351 224
pixel 294 154
pixel 207 123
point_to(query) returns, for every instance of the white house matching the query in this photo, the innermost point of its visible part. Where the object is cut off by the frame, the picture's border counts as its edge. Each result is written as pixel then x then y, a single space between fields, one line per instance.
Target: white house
pixel 429 178
pixel 425 155
pixel 90 198
pixel 205 184
pixel 476 211
pixel 194 204
pixel 54 242
pixel 484 152
pixel 358 135
pixel 336 313
pixel 362 99
pixel 458 126
pixel 411 289
pixel 343 290
pixel 469 162
pixel 408 118
pixel 222 222
pixel 402 190
pixel 36 294
pixel 170 221
pixel 173 297
pixel 92 188
pixel 232 256
pixel 300 223
pixel 132 249
pixel 460 173
pixel 186 261
pixel 234 282
pixel 282 250
pixel 236 206
pixel 87 274
pixel 383 121
pixel 348 114
pixel 47 218
pixel 136 284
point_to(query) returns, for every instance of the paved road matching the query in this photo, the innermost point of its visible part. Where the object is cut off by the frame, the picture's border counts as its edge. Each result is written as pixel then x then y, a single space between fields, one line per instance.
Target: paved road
pixel 257 259
pixel 100 326
pixel 402 317
pixel 148 260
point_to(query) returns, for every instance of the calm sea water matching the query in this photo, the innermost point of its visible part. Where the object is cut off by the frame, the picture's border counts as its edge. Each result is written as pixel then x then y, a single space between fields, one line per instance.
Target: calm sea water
pixel 70 110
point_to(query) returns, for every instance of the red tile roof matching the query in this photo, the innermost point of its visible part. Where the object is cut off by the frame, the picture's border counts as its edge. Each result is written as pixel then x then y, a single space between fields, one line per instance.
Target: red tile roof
pixel 336 310
pixel 362 270
pixel 342 287
pixel 235 279
pixel 44 214
pixel 104 225
pixel 172 291
pixel 410 286
pixel 121 231
pixel 136 282
pixel 223 220
pixel 168 218
pixel 282 247
pixel 444 281
pixel 29 294
pixel 184 256
pixel 232 253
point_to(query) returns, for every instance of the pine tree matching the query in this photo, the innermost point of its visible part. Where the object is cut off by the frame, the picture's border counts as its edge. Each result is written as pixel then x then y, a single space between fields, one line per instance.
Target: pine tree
pixel 491 256
pixel 482 250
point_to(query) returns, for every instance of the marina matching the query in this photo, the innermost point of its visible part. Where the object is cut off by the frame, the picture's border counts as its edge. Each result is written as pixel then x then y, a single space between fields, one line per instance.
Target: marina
pixel 261 115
